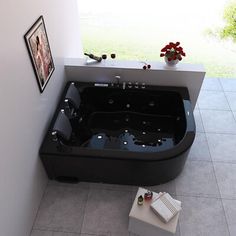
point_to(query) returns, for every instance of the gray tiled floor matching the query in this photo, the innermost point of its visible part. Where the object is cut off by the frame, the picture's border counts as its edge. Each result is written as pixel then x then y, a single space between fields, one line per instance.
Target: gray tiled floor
pixel 62 209
pixel 107 211
pixel 231 97
pixel 198 121
pixel 200 154
pixel 234 115
pixel 206 187
pixel 230 211
pixel 217 121
pixel 228 85
pixel 215 100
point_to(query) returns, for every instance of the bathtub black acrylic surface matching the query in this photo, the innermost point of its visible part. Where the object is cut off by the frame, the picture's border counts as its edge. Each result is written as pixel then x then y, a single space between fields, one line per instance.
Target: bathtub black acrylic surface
pixel 138 136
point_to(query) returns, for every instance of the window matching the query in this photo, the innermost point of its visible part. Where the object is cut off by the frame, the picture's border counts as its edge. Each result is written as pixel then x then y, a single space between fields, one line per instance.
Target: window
pixel 137 30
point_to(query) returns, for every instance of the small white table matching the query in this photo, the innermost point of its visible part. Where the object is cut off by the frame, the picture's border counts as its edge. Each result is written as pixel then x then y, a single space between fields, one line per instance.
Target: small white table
pixel 144 222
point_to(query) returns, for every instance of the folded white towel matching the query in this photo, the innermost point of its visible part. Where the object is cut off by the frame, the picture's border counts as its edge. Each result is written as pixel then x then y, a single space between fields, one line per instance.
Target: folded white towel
pixel 166 207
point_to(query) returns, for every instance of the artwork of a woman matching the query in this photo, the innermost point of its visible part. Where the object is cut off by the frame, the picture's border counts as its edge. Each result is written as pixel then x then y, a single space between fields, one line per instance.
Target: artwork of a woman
pixel 38 46
pixel 42 62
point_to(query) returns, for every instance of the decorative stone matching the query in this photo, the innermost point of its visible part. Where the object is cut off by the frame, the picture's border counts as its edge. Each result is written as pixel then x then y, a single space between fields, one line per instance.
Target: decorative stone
pixel 140 200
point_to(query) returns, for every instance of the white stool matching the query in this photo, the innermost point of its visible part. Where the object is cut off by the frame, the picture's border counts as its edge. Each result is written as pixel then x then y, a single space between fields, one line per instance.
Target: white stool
pixel 144 222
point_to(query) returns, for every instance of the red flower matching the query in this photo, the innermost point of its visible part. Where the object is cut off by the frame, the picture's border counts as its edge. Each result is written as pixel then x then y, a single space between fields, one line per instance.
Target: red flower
pixel 172 51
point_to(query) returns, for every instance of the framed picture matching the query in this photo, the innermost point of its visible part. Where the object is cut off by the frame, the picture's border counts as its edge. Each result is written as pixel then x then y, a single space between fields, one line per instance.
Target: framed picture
pixel 40 53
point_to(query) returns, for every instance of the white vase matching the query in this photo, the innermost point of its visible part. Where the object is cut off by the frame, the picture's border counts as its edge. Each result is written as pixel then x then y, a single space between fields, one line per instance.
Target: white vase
pixel 172 62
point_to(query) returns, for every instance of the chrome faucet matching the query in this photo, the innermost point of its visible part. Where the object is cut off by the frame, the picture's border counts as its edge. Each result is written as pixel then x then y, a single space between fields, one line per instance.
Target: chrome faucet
pixel 118 82
pixel 123 85
pixel 54 136
pixel 67 106
pixel 117 77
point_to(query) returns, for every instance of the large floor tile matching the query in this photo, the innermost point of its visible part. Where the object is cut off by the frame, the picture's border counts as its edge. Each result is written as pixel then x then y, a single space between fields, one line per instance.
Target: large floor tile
pixel 231 97
pixel 213 100
pixel 114 187
pixel 107 211
pixel 53 233
pixel 62 209
pixel 41 233
pixel 177 233
pixel 123 234
pixel 228 84
pixel 76 185
pixel 218 121
pixel 197 179
pixel 226 179
pixel 230 212
pixel 132 234
pixel 198 121
pixel 212 84
pixel 202 217
pixel 222 147
pixel 66 234
pixel 199 149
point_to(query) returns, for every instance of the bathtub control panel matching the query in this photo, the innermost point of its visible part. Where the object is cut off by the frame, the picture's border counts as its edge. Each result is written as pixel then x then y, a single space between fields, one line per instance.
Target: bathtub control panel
pixel 136 85
pixel 100 85
pixel 124 85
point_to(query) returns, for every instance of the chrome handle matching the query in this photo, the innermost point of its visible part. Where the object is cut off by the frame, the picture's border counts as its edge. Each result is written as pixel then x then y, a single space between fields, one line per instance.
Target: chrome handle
pixel 54 136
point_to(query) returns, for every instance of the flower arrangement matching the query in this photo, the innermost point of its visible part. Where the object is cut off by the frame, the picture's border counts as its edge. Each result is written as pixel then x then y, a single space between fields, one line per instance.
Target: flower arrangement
pixel 173 51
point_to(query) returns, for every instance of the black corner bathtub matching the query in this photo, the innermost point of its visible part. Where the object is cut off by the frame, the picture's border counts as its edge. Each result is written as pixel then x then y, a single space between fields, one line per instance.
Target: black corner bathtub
pixel 119 134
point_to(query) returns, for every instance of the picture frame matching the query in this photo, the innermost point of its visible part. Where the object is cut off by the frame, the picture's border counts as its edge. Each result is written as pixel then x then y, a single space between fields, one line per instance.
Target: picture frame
pixel 37 43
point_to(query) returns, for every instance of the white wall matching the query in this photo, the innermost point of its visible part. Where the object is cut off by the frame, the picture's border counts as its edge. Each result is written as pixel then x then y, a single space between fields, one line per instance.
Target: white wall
pixel 24 112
